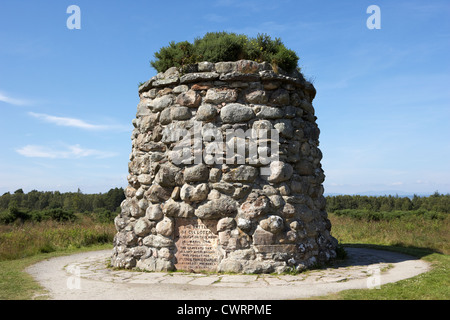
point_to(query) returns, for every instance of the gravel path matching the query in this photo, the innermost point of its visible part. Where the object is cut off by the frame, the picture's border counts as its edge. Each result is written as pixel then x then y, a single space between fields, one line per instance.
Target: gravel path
pixel 85 276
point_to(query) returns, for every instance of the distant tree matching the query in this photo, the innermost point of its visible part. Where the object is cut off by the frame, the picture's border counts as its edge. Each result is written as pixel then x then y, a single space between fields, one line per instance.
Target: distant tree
pixel 38 205
pixel 31 200
pixel 98 202
pixel 43 201
pixel 4 200
pixel 114 198
pixel 436 194
pixel 406 204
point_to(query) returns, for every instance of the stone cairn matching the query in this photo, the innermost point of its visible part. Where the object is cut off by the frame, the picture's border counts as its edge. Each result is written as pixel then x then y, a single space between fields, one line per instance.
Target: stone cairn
pixel 224 213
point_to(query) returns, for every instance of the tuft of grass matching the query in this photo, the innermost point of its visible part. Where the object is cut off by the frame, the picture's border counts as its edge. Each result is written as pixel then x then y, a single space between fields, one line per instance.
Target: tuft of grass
pixel 341 254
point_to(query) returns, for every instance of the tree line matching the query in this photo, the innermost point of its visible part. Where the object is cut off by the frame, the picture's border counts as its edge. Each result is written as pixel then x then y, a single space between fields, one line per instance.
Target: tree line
pixel 434 203
pixel 40 205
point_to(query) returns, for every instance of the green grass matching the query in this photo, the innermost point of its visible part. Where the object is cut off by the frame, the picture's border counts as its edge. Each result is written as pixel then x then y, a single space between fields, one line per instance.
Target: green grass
pixel 413 231
pixel 424 238
pixel 28 239
pixel 433 285
pixel 15 284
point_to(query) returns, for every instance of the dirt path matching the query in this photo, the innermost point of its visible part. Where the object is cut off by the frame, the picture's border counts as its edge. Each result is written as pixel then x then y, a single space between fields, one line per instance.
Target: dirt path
pixel 85 276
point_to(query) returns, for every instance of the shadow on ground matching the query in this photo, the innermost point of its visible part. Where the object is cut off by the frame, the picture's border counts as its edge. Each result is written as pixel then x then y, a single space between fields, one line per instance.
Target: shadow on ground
pixel 400 252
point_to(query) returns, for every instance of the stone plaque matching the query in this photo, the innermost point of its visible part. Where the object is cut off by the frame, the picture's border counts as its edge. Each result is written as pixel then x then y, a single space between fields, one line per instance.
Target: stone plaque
pixel 196 244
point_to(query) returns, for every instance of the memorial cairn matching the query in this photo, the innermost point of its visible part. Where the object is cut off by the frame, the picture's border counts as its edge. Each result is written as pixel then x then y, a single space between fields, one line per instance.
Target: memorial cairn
pixel 224 174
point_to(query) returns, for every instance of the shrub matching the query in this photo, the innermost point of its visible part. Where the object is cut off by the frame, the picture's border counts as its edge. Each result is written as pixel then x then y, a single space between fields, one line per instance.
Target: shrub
pixel 224 46
pixel 175 55
pixel 6 217
pixel 13 214
pixel 60 215
pixel 104 215
pixel 220 46
pixel 285 58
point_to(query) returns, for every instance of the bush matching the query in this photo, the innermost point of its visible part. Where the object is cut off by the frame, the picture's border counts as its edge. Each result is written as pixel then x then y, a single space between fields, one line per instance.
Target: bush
pixel 6 217
pixel 57 214
pixel 14 214
pixel 220 46
pixel 104 215
pixel 60 215
pixel 224 46
pixel 175 55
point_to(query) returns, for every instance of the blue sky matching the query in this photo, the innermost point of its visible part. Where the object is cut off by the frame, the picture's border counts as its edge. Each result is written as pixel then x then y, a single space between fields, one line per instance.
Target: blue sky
pixel 67 97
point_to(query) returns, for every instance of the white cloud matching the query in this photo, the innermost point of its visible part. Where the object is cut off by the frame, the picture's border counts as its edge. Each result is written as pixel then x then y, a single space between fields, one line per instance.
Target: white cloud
pixel 14 101
pixel 68 122
pixel 69 152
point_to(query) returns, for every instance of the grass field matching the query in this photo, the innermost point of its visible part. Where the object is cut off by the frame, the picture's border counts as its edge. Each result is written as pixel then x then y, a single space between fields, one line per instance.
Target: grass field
pixel 24 244
pixel 28 239
pixel 420 236
pixel 427 233
pixel 425 237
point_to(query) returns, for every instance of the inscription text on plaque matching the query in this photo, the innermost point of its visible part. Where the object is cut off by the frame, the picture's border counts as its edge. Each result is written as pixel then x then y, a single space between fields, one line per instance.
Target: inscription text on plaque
pixel 196 242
